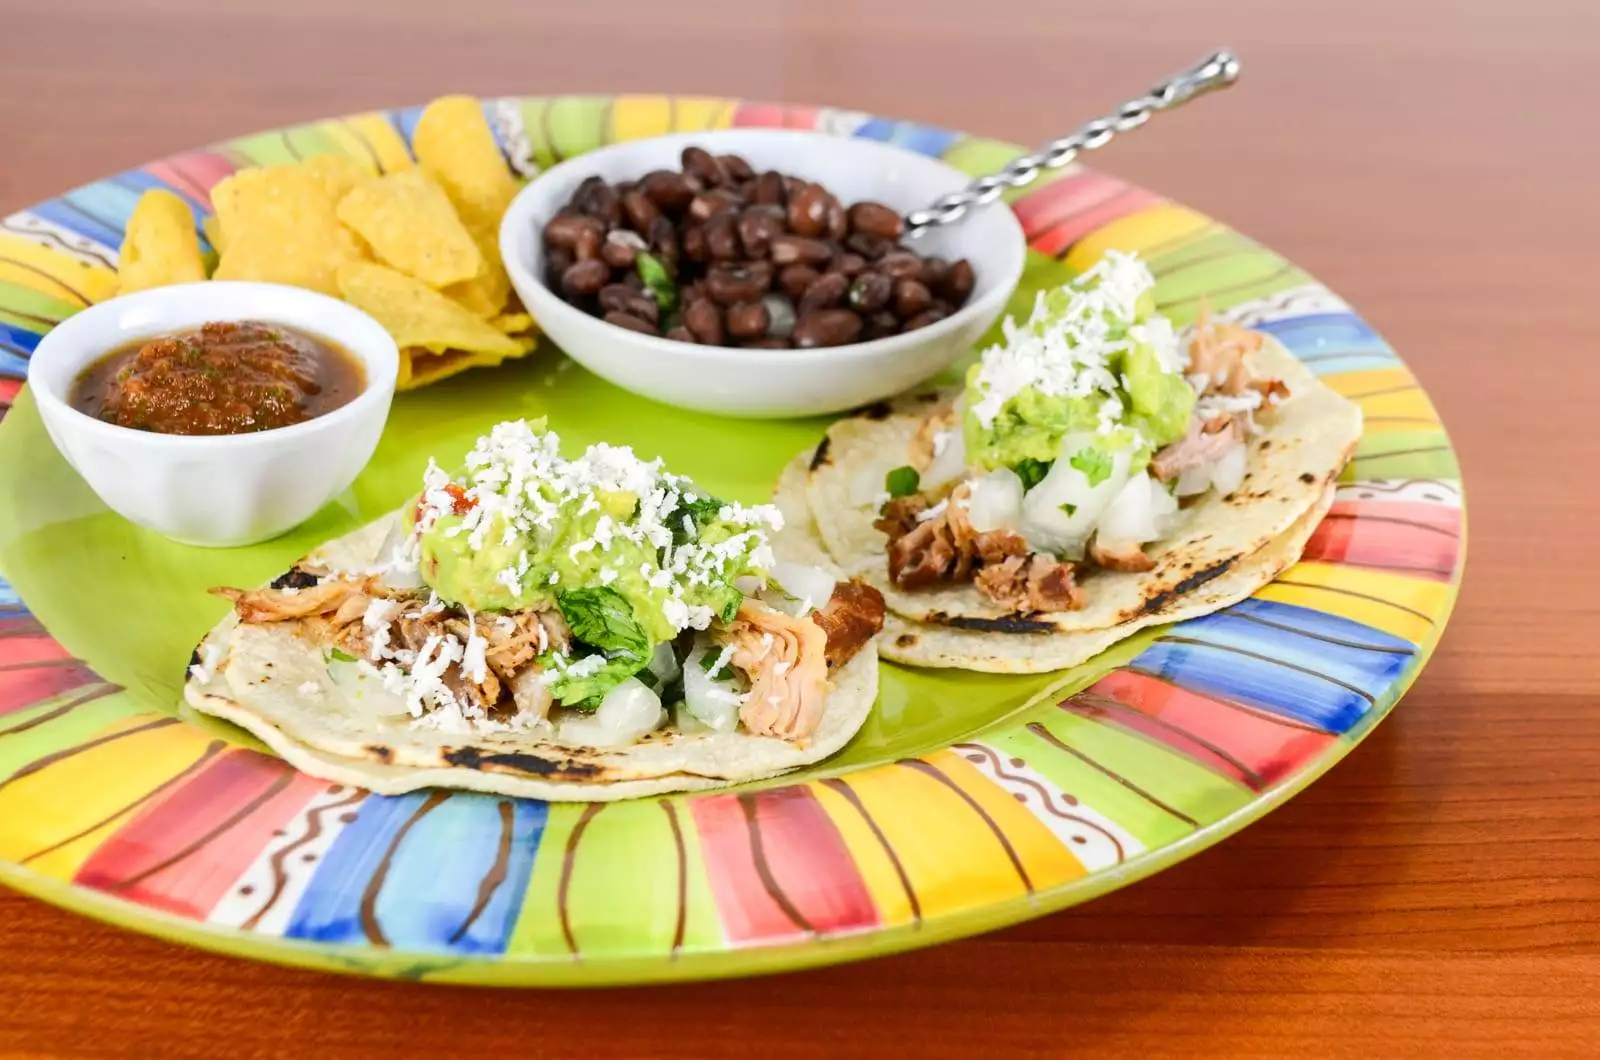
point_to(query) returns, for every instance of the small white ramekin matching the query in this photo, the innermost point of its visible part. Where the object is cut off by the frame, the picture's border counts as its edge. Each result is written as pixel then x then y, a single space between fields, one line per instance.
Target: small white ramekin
pixel 771 383
pixel 216 491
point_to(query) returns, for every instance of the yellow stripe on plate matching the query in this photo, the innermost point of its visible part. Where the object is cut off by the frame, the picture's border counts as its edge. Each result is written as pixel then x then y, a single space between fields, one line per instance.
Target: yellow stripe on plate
pixel 694 114
pixel 1377 382
pixel 53 819
pixel 1405 607
pixel 636 117
pixel 375 137
pixel 52 273
pixel 1150 232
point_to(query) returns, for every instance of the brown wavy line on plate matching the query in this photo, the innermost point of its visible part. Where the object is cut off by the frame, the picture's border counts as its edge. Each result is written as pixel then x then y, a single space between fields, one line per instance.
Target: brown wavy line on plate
pixel 104 689
pixel 938 774
pixel 845 791
pixel 1385 390
pixel 1094 701
pixel 568 857
pixel 681 926
pixel 1324 637
pixel 1125 191
pixel 186 185
pixel 1333 355
pixel 104 222
pixel 547 133
pixel 1367 517
pixel 977 752
pixel 1204 259
pixel 1039 730
pixel 1364 458
pixel 1403 419
pixel 369 899
pixel 35 270
pixel 11 347
pixel 41 664
pixel 1359 595
pixel 758 858
pixel 288 144
pixel 214 748
pixel 1281 271
pixel 10 224
pixel 49 760
pixel 1384 487
pixel 280 875
pixel 1172 638
pixel 48 322
pixel 497 872
pixel 366 144
pixel 285 777
pixel 28 627
pixel 1406 568
pixel 1242 708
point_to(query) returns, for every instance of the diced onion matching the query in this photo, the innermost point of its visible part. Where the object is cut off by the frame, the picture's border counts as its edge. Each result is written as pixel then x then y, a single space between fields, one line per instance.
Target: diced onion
pixel 1060 513
pixel 390 575
pixel 715 704
pixel 664 664
pixel 1227 474
pixel 996 501
pixel 949 463
pixel 1139 513
pixel 802 588
pixel 627 713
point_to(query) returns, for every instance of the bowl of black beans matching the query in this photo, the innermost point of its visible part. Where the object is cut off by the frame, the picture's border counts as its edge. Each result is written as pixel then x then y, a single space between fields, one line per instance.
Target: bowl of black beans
pixel 757 272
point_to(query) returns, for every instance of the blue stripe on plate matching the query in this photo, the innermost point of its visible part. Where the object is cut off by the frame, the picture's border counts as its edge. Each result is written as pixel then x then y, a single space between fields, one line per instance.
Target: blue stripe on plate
pixel 72 217
pixel 414 872
pixel 924 139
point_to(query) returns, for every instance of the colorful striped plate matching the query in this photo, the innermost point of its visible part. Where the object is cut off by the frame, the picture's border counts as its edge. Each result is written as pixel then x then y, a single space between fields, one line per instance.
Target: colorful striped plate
pixel 968 802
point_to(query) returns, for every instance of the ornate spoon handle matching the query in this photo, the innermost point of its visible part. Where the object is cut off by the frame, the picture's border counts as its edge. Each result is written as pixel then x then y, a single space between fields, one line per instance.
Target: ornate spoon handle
pixel 1218 71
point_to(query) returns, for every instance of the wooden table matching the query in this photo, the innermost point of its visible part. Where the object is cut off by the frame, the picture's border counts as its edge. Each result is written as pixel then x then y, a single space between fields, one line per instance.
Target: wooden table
pixel 1436 893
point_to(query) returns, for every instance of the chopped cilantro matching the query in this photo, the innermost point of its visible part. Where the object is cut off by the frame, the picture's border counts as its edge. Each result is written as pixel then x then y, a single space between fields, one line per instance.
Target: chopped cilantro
pixel 902 481
pixel 1094 463
pixel 657 280
pixel 1032 472
pixel 602 617
pixel 1070 508
pixel 343 656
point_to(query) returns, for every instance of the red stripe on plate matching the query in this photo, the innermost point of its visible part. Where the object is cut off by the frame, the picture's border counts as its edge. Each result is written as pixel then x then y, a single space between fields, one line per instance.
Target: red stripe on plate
pixel 1412 538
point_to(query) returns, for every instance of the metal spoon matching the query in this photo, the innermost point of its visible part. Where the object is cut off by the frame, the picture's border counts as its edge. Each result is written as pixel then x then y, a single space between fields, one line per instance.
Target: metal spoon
pixel 1218 71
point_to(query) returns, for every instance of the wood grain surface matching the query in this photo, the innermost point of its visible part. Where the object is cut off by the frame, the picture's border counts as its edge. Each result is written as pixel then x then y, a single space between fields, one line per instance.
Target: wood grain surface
pixel 1433 161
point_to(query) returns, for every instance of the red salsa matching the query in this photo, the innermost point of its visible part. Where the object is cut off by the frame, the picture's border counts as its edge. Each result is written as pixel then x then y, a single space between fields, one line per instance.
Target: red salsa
pixel 224 378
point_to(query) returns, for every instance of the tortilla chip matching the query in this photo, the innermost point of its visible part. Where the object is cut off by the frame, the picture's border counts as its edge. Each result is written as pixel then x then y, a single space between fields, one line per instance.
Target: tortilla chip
pixel 512 323
pixel 410 225
pixel 340 174
pixel 161 247
pixel 487 293
pixel 423 321
pixel 280 227
pixel 454 143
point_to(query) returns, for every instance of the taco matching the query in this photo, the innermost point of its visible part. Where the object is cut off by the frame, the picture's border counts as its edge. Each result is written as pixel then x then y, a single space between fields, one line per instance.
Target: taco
pixel 1094 476
pixel 588 629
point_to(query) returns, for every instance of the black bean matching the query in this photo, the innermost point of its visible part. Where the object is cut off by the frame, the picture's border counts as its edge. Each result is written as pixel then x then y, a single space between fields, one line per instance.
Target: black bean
pixel 681 334
pixel 557 260
pixel 631 278
pixel 722 237
pixel 621 248
pixel 792 249
pixel 732 284
pixel 668 190
pixel 747 320
pixel 874 218
pixel 910 298
pixel 694 244
pixel 958 284
pixel 632 323
pixel 881 325
pixel 757 226
pixel 808 211
pixel 934 273
pixel 641 211
pixel 704 321
pixel 599 200
pixel 826 293
pixel 900 265
pixel 838 220
pixel 769 189
pixel 664 242
pixel 870 292
pixel 771 342
pixel 736 168
pixel 847 264
pixel 616 296
pixel 794 279
pixel 588 245
pixel 709 203
pixel 704 166
pixel 827 327
pixel 868 245
pixel 585 277
pixel 922 320
pixel 564 229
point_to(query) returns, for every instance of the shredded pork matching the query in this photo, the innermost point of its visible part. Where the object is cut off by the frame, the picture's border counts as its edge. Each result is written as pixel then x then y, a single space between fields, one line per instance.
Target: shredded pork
pixel 852 616
pixel 785 660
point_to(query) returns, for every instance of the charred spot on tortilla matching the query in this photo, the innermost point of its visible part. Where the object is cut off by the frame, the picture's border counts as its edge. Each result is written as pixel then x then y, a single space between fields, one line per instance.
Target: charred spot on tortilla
pixel 520 763
pixel 906 640
pixel 878 410
pixel 1159 601
pixel 296 577
pixel 381 752
pixel 194 659
pixel 1017 623
pixel 820 457
pixel 1266 443
pixel 1307 477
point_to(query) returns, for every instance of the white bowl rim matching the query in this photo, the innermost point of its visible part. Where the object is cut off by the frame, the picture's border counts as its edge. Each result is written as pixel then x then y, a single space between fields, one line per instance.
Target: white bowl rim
pixel 814 355
pixel 381 361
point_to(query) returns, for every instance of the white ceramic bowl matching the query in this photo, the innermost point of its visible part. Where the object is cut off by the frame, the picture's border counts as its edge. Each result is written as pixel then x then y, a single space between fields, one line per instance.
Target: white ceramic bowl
pixel 224 490
pixel 770 383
